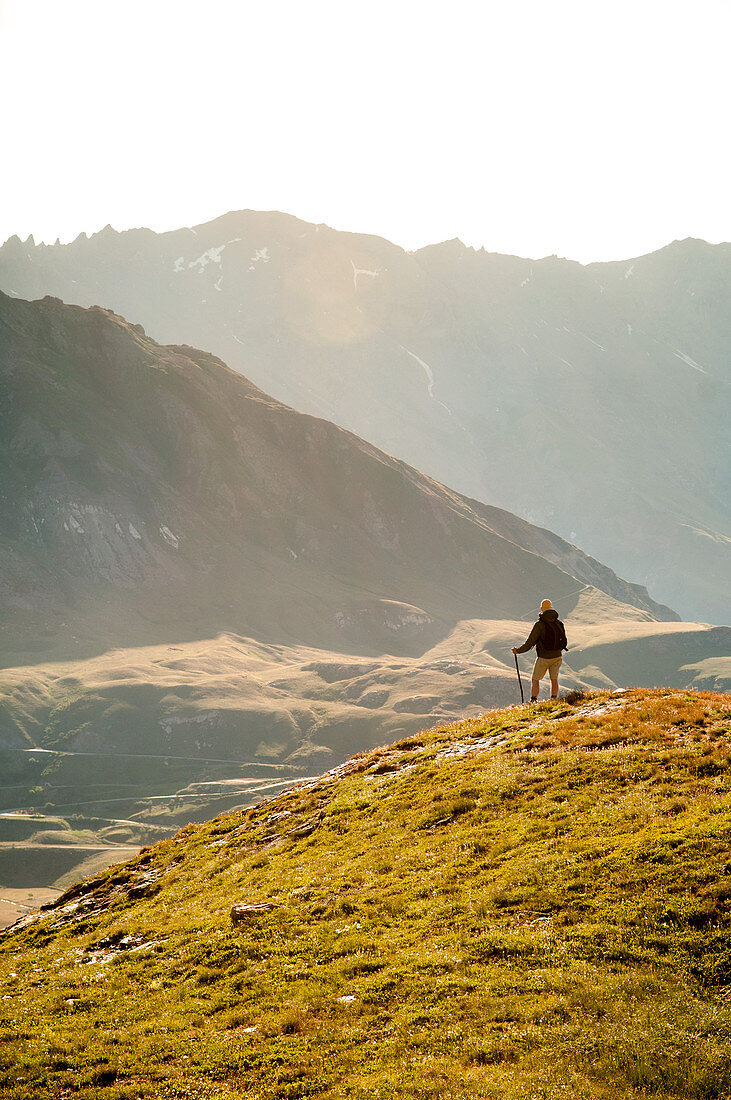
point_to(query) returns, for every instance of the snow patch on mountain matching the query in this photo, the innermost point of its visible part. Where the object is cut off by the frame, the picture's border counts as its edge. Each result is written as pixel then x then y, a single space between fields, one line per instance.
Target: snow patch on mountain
pixel 427 370
pixel 714 536
pixel 691 362
pixel 591 341
pixel 169 537
pixel 429 378
pixel 210 256
pixel 362 271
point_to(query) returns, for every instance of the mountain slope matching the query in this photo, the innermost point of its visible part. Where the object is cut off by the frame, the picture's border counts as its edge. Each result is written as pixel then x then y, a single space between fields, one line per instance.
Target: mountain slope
pixel 151 494
pixel 535 902
pixel 591 400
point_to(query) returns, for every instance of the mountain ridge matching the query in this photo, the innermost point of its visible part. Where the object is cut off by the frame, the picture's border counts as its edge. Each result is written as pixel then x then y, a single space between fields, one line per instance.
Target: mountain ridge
pixel 521 383
pixel 108 230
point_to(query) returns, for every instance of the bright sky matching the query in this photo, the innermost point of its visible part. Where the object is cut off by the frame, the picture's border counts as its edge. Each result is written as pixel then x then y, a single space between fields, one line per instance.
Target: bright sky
pixel 595 129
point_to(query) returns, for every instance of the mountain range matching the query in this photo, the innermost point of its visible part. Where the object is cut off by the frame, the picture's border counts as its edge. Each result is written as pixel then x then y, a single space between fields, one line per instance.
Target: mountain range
pixel 207 594
pixel 592 400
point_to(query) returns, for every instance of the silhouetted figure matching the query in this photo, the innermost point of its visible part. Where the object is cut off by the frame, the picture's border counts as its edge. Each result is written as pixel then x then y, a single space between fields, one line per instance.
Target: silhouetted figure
pixel 549 638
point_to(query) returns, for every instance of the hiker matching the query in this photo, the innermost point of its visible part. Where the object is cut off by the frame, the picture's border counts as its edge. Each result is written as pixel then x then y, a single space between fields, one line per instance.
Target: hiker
pixel 549 638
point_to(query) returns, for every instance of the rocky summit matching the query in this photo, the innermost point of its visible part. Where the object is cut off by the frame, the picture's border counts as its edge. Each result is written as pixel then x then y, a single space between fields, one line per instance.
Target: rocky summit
pixel 535 902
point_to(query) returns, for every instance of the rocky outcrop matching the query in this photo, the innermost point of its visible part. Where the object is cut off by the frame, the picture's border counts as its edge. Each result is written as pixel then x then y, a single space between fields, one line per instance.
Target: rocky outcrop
pixel 244 912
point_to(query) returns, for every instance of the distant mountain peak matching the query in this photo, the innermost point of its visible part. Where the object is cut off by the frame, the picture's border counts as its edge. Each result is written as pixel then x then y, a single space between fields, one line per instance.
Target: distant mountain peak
pixel 470 365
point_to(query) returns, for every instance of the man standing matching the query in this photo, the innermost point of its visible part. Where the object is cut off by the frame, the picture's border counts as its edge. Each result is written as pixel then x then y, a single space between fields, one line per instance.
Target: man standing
pixel 549 638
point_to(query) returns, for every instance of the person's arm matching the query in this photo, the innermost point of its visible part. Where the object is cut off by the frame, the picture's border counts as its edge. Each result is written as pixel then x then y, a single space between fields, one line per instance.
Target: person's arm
pixel 531 640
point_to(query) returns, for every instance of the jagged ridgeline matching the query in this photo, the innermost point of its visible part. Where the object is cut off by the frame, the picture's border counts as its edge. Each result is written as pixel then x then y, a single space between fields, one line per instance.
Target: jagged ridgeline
pixel 533 903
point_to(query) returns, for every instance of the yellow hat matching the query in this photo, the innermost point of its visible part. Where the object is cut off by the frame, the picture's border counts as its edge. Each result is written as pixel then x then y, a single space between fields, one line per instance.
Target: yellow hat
pixel 546 605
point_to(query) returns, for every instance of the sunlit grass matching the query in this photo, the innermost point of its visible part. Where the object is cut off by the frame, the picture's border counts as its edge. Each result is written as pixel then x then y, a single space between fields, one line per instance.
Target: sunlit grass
pixel 547 917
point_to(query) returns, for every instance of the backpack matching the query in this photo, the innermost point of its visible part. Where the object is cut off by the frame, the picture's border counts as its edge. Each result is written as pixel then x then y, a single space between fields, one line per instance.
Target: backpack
pixel 554 635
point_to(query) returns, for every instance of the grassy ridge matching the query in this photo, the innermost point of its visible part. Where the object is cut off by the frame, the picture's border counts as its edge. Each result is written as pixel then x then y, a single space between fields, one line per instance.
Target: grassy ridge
pixel 536 903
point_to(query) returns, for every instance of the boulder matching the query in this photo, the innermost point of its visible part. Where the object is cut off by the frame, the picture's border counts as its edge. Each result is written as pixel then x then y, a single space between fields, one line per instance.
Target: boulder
pixel 248 910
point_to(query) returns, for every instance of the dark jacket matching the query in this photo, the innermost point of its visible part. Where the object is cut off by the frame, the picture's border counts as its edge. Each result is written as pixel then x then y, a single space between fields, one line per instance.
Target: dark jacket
pixel 535 638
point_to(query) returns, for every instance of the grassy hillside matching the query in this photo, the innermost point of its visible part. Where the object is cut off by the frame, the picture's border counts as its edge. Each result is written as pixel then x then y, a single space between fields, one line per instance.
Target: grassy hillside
pixel 532 903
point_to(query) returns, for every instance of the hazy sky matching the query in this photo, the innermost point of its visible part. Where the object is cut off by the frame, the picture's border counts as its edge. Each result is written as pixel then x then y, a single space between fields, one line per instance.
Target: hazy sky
pixel 595 129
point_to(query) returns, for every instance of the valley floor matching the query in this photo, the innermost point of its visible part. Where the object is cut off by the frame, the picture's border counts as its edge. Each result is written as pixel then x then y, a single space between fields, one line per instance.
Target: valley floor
pixel 18 903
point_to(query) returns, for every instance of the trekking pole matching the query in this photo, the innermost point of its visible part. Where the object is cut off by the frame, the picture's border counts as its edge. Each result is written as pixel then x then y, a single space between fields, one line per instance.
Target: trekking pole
pixel 522 697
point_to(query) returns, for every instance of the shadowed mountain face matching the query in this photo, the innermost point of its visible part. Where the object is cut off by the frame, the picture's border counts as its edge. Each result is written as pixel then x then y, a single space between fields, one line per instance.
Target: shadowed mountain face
pixel 592 400
pixel 150 493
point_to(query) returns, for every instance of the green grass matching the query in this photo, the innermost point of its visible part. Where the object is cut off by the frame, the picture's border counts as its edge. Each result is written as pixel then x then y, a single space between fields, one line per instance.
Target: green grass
pixel 548 917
